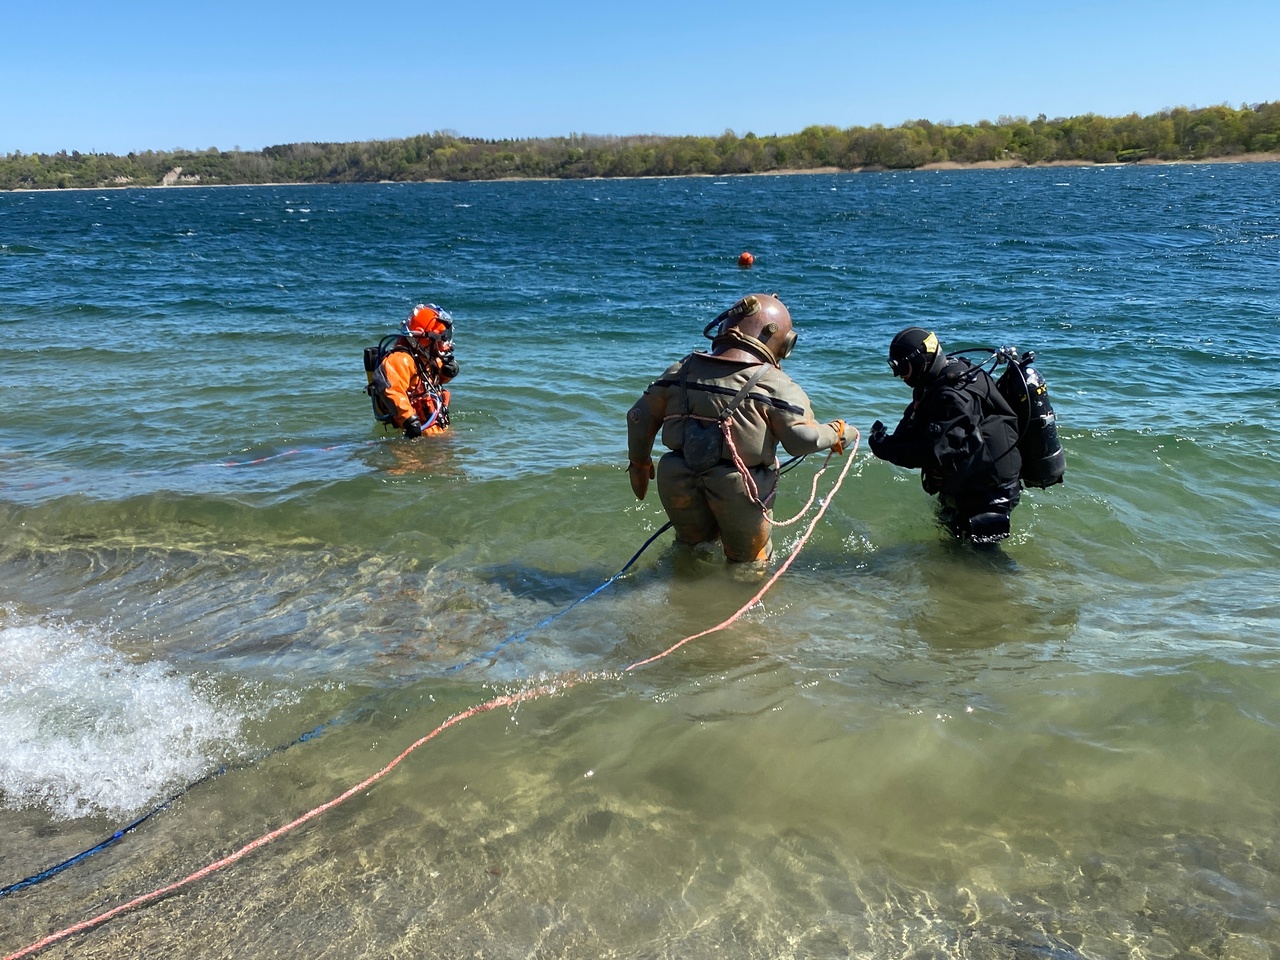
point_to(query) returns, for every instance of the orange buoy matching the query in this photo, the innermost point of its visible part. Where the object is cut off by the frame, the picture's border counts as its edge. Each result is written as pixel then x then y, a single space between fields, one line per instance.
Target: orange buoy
pixel 745 259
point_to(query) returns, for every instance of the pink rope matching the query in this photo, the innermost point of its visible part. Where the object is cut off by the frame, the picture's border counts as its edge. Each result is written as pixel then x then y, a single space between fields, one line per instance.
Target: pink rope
pixel 748 482
pixel 508 700
pixel 813 493
pixel 795 552
pixel 532 693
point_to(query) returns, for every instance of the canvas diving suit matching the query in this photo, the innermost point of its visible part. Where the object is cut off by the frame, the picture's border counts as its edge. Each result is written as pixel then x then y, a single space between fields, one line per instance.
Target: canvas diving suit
pixel 702 489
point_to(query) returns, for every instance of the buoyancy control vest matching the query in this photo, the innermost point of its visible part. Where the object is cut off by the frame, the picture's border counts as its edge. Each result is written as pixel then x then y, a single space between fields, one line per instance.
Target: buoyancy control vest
pixel 430 396
pixel 971 438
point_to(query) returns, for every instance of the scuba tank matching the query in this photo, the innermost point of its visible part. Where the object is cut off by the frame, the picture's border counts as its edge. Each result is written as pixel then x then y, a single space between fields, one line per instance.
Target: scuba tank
pixel 1043 460
pixel 383 412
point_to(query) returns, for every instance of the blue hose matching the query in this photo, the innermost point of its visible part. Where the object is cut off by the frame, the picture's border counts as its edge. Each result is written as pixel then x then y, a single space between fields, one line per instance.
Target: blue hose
pixel 57 868
pixel 524 634
pixel 53 871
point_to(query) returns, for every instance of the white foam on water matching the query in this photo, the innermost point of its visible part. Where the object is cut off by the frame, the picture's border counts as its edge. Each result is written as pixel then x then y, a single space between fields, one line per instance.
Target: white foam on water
pixel 84 730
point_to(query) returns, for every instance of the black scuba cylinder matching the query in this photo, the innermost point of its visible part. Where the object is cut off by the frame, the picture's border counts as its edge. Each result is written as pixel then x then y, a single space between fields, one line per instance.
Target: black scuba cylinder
pixel 1044 462
pixel 383 410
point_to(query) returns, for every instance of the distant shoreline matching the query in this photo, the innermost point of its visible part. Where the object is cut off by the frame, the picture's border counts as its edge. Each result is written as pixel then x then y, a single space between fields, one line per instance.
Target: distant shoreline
pixel 946 165
pixel 1016 165
pixel 1218 134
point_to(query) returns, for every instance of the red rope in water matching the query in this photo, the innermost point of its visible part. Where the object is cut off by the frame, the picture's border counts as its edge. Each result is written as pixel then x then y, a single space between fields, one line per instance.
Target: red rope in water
pixel 506 700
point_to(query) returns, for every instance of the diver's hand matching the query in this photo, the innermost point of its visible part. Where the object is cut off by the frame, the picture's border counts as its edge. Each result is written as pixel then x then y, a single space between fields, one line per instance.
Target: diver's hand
pixel 878 436
pixel 446 364
pixel 413 428
pixel 842 438
pixel 640 474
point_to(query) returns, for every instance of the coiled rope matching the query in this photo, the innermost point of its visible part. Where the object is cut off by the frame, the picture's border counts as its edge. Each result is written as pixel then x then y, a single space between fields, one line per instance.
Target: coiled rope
pixel 532 693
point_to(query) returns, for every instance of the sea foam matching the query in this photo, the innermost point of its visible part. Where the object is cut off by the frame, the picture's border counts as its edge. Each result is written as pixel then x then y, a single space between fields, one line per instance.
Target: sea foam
pixel 88 731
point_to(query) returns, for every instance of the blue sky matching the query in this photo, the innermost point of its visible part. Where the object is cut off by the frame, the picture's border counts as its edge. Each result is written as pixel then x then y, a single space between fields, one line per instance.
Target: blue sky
pixel 110 78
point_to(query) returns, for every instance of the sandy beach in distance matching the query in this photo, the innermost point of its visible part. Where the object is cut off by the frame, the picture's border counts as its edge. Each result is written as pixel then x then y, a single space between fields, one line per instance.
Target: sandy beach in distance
pixel 1017 164
pixel 1011 164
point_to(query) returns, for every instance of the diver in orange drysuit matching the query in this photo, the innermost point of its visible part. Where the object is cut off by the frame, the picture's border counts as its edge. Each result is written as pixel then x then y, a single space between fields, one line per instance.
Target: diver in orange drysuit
pixel 709 406
pixel 411 377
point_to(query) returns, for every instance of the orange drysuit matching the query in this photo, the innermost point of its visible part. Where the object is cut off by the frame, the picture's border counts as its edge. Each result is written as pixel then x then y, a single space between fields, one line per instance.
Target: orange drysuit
pixel 414 386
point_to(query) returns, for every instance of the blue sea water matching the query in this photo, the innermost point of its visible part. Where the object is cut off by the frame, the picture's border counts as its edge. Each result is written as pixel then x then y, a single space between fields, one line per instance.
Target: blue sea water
pixel 1066 747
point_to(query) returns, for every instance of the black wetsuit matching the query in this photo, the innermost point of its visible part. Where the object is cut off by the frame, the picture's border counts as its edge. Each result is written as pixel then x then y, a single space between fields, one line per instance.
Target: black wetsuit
pixel 963 437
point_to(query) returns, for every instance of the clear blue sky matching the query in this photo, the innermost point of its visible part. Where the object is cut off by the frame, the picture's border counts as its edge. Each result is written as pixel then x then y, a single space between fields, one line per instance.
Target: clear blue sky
pixel 114 77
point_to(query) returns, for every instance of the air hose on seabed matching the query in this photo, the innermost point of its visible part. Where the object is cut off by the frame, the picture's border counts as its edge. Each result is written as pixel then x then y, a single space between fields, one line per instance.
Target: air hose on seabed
pixel 345 717
pixel 128 828
pixel 531 693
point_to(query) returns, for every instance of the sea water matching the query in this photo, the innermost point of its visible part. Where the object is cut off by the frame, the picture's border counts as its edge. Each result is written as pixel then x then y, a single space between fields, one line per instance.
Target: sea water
pixel 221 583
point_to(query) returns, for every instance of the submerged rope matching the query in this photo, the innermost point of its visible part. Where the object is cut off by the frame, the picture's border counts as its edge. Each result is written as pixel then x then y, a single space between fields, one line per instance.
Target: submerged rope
pixel 520 637
pixel 120 834
pixel 524 634
pixel 532 693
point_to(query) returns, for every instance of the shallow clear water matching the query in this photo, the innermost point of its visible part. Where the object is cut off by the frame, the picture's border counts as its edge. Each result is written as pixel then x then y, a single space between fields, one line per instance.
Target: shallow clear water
pixel 1067 747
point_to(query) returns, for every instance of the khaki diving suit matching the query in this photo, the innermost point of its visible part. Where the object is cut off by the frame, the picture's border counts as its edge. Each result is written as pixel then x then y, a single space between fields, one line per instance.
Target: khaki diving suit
pixel 722 416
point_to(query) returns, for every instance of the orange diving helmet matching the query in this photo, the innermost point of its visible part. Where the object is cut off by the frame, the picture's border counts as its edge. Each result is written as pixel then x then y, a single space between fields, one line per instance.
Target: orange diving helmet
pixel 428 322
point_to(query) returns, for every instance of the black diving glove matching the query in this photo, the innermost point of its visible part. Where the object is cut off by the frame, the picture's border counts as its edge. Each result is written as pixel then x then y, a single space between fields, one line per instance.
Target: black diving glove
pixel 878 435
pixel 447 364
pixel 412 428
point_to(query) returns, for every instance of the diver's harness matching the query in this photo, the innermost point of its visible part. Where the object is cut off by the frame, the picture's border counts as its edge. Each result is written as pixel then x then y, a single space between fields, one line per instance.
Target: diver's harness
pixel 429 390
pixel 702 455
pixel 702 448
pixel 1043 461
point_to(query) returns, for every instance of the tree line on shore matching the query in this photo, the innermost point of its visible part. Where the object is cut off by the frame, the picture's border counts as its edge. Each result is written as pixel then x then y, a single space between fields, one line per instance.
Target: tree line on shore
pixel 1176 134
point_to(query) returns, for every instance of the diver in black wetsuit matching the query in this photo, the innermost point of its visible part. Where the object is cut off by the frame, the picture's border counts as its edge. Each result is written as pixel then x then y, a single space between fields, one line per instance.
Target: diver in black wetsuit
pixel 959 431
